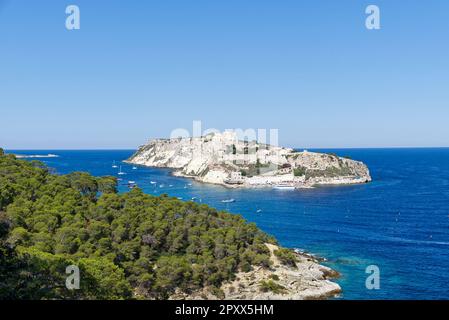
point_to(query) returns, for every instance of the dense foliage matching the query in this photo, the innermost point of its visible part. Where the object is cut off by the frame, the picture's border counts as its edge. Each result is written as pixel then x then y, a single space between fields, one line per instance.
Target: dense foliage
pixel 125 245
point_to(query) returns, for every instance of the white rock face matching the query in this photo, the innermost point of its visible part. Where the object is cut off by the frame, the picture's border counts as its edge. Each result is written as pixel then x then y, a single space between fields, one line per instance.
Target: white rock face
pixel 223 159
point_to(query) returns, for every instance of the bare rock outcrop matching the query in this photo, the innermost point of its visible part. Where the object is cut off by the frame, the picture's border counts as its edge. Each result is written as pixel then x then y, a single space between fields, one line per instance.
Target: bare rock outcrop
pixel 304 280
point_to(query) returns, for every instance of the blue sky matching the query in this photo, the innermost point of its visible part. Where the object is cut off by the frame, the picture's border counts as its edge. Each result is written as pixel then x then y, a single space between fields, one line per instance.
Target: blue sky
pixel 139 69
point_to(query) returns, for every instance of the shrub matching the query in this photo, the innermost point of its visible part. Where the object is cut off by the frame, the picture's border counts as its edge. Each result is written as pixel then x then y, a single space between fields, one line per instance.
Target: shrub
pixel 271 286
pixel 286 257
pixel 299 171
pixel 218 293
pixel 274 277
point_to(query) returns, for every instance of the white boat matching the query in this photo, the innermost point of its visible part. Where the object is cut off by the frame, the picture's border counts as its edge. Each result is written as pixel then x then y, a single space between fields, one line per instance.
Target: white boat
pixel 161 186
pixel 131 182
pixel 114 165
pixel 259 210
pixel 170 185
pixel 121 172
pixel 134 168
pixel 228 200
pixel 284 187
pixel 153 182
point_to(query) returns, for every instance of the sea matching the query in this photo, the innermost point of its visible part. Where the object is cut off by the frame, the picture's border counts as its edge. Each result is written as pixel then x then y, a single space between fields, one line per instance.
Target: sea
pixel 398 223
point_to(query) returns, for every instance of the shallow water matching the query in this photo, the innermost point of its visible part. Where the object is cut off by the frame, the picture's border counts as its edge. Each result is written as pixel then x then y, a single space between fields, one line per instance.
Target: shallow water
pixel 399 222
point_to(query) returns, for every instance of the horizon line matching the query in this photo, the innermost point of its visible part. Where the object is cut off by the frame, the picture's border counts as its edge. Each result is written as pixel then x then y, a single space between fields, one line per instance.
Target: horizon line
pixel 311 148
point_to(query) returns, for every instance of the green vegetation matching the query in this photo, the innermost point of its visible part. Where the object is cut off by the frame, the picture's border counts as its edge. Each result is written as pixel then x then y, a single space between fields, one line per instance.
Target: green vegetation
pixel 329 172
pixel 274 277
pixel 270 285
pixel 286 257
pixel 255 169
pixel 299 171
pixel 128 245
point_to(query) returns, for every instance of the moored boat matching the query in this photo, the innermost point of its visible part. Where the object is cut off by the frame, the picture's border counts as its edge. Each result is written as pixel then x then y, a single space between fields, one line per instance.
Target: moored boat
pixel 284 187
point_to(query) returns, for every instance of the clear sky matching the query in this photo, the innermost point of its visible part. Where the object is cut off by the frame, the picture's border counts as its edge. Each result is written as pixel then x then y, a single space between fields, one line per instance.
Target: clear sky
pixel 139 69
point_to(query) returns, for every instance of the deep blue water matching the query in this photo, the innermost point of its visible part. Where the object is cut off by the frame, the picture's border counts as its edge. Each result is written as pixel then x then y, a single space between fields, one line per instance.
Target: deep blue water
pixel 399 222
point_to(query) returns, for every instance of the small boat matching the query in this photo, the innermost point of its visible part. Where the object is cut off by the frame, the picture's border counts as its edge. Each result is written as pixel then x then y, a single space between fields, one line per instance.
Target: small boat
pixel 134 168
pixel 259 210
pixel 153 182
pixel 161 186
pixel 121 172
pixel 131 182
pixel 170 185
pixel 114 165
pixel 193 198
pixel 284 187
pixel 189 184
pixel 228 200
pixel 179 198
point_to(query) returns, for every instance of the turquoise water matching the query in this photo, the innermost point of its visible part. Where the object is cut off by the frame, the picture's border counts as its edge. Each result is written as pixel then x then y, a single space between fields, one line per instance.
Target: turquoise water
pixel 399 222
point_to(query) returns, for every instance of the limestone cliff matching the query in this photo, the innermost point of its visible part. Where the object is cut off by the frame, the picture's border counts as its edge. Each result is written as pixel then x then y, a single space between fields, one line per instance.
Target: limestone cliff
pixel 223 159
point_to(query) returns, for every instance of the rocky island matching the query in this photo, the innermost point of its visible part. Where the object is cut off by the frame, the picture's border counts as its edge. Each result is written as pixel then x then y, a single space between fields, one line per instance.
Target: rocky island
pixel 221 158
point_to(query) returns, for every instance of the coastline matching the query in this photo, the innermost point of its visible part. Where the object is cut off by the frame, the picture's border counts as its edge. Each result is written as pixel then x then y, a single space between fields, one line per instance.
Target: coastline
pixel 334 182
pixel 178 173
pixel 222 159
pixel 306 280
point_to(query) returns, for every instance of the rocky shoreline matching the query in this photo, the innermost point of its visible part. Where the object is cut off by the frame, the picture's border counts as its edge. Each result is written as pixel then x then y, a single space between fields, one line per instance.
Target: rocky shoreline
pixel 305 280
pixel 271 183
